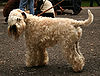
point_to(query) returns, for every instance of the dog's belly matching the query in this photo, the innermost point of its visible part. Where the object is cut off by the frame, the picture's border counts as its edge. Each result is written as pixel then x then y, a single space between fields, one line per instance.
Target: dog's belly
pixel 48 41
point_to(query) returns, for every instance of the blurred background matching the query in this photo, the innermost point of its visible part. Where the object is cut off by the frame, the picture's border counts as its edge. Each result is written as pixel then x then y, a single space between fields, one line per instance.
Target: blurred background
pixel 85 3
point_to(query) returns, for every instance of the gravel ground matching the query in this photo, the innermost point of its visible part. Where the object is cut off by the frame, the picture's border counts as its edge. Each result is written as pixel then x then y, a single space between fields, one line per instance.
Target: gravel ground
pixel 12 53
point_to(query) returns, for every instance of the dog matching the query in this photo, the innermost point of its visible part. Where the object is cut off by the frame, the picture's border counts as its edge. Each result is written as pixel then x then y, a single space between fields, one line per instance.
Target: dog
pixel 44 32
pixel 11 4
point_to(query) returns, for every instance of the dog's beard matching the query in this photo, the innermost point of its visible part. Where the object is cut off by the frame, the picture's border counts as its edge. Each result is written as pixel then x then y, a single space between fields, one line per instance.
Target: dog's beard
pixel 13 31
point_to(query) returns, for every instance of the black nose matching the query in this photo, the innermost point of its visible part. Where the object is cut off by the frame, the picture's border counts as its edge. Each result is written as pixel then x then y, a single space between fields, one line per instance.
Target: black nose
pixel 13 28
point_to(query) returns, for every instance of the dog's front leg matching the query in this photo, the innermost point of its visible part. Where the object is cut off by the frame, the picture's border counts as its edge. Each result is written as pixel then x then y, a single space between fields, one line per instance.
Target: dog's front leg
pixel 36 57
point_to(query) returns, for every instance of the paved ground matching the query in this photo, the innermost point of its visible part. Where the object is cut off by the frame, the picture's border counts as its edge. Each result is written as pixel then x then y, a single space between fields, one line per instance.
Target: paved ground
pixel 12 52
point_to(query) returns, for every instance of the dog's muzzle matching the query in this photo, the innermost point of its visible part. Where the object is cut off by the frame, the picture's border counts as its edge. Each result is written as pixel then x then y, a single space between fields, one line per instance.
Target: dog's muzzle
pixel 13 31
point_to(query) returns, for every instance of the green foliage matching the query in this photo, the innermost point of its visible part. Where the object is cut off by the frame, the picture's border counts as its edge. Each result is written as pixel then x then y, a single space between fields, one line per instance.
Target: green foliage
pixel 86 3
pixel 3 2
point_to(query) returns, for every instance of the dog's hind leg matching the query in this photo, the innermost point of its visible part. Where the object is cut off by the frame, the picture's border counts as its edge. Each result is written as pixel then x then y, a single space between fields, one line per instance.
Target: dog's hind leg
pixel 36 57
pixel 78 60
pixel 74 57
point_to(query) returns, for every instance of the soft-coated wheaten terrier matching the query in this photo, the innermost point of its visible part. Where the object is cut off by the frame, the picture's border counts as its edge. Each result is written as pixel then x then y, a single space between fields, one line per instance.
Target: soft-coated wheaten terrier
pixel 42 32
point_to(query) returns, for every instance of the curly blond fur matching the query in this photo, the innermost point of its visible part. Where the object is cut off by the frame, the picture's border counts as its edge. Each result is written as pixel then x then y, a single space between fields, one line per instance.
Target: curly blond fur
pixel 43 32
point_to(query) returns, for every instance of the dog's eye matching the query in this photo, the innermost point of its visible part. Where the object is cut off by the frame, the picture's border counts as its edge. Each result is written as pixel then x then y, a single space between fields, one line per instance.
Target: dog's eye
pixel 18 19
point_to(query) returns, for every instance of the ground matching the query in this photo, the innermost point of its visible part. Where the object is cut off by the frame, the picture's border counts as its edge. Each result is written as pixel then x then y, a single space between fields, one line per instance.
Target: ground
pixel 12 58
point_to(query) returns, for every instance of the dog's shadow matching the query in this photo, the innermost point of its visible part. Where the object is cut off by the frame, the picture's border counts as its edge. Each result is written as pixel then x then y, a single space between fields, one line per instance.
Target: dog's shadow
pixel 52 70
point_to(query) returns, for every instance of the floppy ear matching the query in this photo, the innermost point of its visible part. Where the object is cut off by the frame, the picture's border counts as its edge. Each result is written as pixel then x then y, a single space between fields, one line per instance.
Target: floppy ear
pixel 24 15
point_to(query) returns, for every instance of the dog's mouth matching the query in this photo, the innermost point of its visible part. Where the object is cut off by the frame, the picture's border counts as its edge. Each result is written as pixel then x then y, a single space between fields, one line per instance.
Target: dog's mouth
pixel 12 30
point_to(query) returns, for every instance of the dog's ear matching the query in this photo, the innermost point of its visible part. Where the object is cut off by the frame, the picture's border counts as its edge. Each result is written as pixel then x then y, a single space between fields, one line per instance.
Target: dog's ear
pixel 24 15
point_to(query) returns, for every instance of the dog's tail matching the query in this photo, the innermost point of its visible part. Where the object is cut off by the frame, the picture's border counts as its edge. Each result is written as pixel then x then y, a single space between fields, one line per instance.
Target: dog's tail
pixel 85 22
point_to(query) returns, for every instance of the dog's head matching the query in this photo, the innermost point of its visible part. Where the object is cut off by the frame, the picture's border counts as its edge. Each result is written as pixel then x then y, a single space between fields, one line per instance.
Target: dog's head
pixel 16 22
